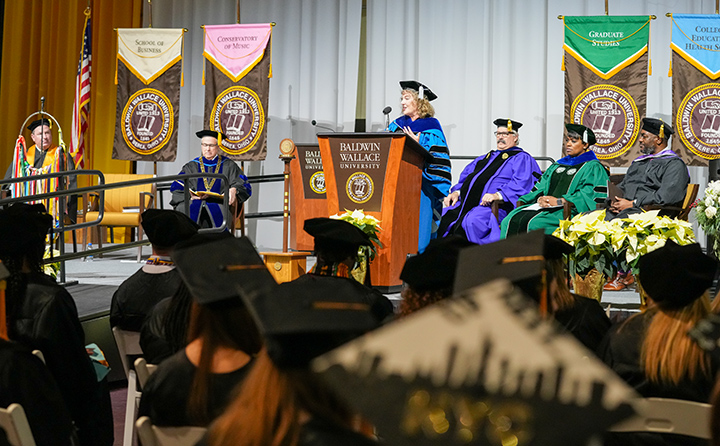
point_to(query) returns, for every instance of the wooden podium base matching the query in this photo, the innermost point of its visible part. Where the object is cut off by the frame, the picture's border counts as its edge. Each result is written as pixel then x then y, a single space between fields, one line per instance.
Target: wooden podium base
pixel 286 266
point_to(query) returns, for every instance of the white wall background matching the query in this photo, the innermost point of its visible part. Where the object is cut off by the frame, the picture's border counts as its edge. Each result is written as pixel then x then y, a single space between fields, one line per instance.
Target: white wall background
pixel 483 58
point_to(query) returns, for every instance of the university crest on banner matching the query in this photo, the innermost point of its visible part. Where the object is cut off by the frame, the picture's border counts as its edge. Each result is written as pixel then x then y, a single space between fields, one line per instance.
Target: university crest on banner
pixel 696 87
pixel 148 76
pixel 236 81
pixel 606 63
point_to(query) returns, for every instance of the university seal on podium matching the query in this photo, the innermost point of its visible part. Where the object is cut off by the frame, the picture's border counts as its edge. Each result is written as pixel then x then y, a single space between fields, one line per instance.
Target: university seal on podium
pixel 147 121
pixel 612 114
pixel 317 182
pixel 698 121
pixel 359 187
pixel 239 114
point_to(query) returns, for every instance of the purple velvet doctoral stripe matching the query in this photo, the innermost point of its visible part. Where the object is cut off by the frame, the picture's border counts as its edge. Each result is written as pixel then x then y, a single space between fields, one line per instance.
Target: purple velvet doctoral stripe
pixel 418 125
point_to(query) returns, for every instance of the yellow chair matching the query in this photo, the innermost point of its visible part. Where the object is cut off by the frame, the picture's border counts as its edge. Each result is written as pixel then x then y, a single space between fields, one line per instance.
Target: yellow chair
pixel 123 206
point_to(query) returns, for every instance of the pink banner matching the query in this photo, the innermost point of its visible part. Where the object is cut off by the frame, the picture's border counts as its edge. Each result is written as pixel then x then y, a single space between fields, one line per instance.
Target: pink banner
pixel 236 49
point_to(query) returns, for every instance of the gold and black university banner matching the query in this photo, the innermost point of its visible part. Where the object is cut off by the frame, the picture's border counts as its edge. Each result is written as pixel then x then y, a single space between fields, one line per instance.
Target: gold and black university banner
pixel 606 66
pixel 696 87
pixel 148 76
pixel 237 81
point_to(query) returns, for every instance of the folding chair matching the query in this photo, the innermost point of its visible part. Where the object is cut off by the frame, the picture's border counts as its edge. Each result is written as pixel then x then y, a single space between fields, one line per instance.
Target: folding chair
pixel 168 436
pixel 15 424
pixel 669 416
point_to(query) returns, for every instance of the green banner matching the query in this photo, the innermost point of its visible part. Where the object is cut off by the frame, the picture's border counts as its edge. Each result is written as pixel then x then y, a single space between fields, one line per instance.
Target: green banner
pixel 606 44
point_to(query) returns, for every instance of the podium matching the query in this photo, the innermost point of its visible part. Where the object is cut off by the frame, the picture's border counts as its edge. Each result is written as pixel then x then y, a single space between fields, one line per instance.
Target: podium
pixel 380 173
pixel 307 195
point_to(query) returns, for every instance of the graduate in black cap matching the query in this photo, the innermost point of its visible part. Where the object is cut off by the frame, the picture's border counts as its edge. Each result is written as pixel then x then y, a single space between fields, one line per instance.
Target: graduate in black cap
pixel 501 175
pixel 206 194
pixel 45 157
pixel 336 247
pixel 157 279
pixel 652 350
pixel 418 122
pixel 572 179
pixel 193 386
pixel 282 402
pixel 42 315
pixel 430 276
pixel 658 177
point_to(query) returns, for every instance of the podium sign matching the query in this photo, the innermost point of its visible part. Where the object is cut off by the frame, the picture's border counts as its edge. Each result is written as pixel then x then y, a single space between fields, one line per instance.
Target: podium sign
pixel 380 173
pixel 360 171
pixel 307 195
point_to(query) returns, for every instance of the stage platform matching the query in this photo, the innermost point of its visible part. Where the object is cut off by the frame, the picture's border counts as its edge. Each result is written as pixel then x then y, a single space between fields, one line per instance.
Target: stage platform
pixel 97 280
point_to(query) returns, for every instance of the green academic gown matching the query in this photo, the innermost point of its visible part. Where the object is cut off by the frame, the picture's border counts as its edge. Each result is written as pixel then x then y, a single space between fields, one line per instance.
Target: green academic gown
pixel 571 178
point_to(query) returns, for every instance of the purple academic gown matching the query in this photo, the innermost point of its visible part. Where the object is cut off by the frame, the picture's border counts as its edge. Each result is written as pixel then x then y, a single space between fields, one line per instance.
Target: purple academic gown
pixel 513 175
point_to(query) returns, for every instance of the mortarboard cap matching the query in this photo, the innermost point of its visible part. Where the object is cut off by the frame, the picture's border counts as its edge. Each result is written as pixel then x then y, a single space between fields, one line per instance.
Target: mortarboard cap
pixel 333 230
pixel 165 227
pixel 512 126
pixel 35 124
pixel 434 269
pixel 423 90
pixel 554 248
pixel 218 266
pixel 518 258
pixel 212 133
pixel 586 134
pixel 491 371
pixel 657 127
pixel 28 224
pixel 304 319
pixel 692 274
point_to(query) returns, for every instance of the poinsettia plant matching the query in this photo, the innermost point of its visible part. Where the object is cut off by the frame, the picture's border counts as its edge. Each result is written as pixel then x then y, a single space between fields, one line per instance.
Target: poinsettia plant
pixel 706 212
pixel 618 244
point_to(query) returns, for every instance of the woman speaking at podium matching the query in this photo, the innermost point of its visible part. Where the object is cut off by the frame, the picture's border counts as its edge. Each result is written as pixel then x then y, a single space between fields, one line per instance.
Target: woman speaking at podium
pixel 418 123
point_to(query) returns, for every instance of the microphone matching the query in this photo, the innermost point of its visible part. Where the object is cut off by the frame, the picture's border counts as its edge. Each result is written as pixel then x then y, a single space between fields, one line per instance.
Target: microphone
pixel 386 112
pixel 42 104
pixel 315 123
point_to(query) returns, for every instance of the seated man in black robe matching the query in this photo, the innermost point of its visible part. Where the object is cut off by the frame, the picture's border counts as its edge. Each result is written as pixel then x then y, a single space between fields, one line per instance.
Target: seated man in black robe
pixel 157 279
pixel 659 176
pixel 207 194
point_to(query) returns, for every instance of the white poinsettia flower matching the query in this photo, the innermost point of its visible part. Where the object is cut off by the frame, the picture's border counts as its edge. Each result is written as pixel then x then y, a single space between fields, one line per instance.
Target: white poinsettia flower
pixel 358 214
pixel 710 211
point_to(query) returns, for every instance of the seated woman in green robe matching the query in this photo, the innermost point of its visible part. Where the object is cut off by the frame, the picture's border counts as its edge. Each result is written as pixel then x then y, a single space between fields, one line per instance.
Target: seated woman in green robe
pixel 571 179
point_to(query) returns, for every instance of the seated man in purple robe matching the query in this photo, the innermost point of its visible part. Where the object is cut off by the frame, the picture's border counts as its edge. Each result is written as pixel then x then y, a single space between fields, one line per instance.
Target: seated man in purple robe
pixel 503 174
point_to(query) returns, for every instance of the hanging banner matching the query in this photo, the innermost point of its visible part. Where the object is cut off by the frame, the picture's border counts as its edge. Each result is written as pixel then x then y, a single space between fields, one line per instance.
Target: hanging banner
pixel 606 66
pixel 237 81
pixel 148 78
pixel 696 87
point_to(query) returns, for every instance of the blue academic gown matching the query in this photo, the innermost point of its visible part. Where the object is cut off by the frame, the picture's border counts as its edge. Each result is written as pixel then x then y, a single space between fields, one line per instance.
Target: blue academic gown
pixel 514 177
pixel 436 179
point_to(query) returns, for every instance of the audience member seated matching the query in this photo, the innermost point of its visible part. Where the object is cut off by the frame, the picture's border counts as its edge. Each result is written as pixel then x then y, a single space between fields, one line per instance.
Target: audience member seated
pixel 659 176
pixel 164 332
pixel 25 380
pixel 429 277
pixel 193 386
pixel 42 315
pixel 572 179
pixel 336 247
pixel 157 279
pixel 282 402
pixel 206 194
pixel 501 175
pixel 583 317
pixel 651 350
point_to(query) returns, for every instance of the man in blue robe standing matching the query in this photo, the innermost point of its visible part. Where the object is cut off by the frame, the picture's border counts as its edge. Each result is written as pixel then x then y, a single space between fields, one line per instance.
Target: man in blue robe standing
pixel 503 174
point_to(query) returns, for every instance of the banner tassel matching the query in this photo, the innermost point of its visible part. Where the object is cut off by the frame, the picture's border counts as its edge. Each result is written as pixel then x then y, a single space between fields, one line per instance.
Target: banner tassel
pixel 670 69
pixel 562 63
pixel 117 55
pixel 649 67
pixel 204 58
pixel 182 60
pixel 270 71
pixel 649 40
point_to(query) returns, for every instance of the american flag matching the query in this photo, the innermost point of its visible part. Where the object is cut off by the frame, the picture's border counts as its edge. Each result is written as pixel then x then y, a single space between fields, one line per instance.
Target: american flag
pixel 81 106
